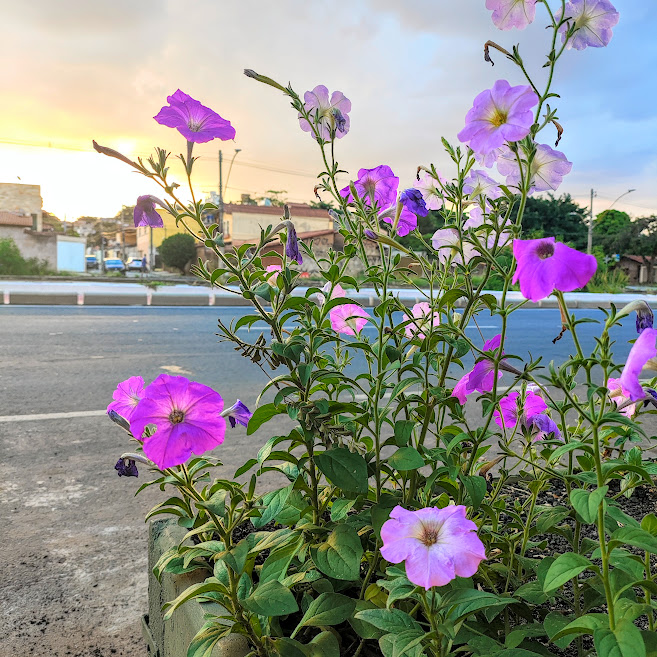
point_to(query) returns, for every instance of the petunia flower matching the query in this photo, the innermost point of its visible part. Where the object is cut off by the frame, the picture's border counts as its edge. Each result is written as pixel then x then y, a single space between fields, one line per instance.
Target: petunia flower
pixel 546 426
pixel 547 169
pixel 422 315
pixel 348 318
pixel 145 213
pixel 377 185
pixel 479 186
pixel 338 292
pixel 619 395
pixel 274 270
pixel 186 416
pixel 460 389
pixel 545 265
pixel 431 191
pixel 413 201
pixel 238 413
pixel 498 115
pixel 448 243
pixel 292 244
pixel 482 377
pixel 330 116
pixel 593 20
pixel 126 397
pixel 126 468
pixel 406 223
pixel 437 544
pixel 195 122
pixel 508 14
pixel 641 352
pixel 511 414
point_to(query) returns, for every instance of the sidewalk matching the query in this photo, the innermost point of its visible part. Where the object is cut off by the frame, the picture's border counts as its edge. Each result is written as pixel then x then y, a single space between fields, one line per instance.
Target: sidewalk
pixel 96 293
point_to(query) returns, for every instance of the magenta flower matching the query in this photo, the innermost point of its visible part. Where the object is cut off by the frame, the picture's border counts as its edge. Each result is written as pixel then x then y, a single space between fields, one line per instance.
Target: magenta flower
pixel 508 14
pixel 406 223
pixel 330 117
pixel 482 377
pixel 126 397
pixel 460 389
pixel 545 265
pixel 593 20
pixel 431 191
pixel 547 169
pixel 642 351
pixel 238 413
pixel 499 115
pixel 413 201
pixel 145 213
pixel 338 292
pixel 195 122
pixel 186 416
pixel 274 270
pixel 436 544
pixel 375 185
pixel 421 313
pixel 532 405
pixel 619 395
pixel 348 318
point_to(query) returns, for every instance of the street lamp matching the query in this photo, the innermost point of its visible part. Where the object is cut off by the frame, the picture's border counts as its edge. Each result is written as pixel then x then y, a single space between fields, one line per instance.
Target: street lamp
pixel 589 246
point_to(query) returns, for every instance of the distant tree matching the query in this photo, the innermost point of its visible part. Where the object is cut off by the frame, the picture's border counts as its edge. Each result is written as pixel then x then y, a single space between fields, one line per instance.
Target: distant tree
pixel 275 197
pixel 638 238
pixel 50 219
pixel 611 231
pixel 12 262
pixel 178 251
pixel 322 205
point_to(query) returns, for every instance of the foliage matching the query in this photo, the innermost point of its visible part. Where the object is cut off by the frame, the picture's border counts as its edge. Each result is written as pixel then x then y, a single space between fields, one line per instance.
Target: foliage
pixel 12 262
pixel 178 251
pixel 612 281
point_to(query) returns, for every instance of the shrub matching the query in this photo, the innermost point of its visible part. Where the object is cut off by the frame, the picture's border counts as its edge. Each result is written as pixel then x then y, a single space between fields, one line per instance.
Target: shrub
pixel 178 251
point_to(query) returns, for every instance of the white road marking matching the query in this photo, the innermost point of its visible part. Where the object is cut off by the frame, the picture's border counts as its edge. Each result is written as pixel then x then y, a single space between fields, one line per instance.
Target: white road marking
pixel 51 416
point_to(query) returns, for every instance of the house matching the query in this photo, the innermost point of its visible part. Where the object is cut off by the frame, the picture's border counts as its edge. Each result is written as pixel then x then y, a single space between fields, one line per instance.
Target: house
pixel 31 242
pixel 639 269
pixel 148 239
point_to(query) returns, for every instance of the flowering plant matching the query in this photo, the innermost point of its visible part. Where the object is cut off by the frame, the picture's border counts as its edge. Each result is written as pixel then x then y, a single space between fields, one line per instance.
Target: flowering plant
pixel 414 520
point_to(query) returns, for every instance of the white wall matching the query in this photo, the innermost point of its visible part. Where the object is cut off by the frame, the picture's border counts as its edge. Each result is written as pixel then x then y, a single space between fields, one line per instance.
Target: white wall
pixel 70 253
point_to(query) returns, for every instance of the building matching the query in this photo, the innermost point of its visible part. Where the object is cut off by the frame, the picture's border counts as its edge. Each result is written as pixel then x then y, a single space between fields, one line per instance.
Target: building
pixel 147 238
pixel 23 200
pixel 639 269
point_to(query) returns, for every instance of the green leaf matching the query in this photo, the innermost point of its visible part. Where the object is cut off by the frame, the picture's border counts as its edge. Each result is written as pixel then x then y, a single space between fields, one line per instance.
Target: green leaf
pixel 467 601
pixel 405 644
pixel 206 638
pixel 649 524
pixel 403 432
pixel 518 635
pixel 278 561
pixel 476 489
pixel 340 556
pixel 340 508
pixel 586 624
pixel 624 641
pixel 285 647
pixel 344 469
pixel 323 645
pixel 271 599
pixel 211 585
pixel 586 503
pixel 406 458
pixel 327 609
pixel 634 536
pixel 263 414
pixel 388 620
pixel 565 567
pixel 272 502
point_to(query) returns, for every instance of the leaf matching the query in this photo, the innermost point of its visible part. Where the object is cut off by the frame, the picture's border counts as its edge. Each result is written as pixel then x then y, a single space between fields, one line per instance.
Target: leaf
pixel 210 585
pixel 624 641
pixel 272 503
pixel 278 561
pixel 285 647
pixel 323 645
pixel 340 556
pixel 263 414
pixel 388 620
pixel 649 524
pixel 340 508
pixel 404 644
pixel 519 634
pixel 403 432
pixel 326 609
pixel 205 639
pixel 344 469
pixel 586 503
pixel 565 567
pixel 406 458
pixel 586 624
pixel 271 599
pixel 476 489
pixel 467 601
pixel 634 536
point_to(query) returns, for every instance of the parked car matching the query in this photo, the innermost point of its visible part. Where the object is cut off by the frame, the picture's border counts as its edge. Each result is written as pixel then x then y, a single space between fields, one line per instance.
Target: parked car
pixel 91 262
pixel 114 264
pixel 134 264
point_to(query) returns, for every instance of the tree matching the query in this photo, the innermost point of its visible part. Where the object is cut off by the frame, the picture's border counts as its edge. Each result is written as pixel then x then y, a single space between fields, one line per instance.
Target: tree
pixel 12 262
pixel 639 237
pixel 611 231
pixel 178 251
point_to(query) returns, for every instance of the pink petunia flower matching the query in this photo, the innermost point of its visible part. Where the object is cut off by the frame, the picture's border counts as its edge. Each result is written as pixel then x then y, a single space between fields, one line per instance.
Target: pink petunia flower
pixel 431 191
pixel 619 395
pixel 545 265
pixel 498 115
pixel 437 544
pixel 508 14
pixel 195 122
pixel 641 352
pixel 348 318
pixel 547 169
pixel 482 377
pixel 126 397
pixel 338 292
pixel 328 115
pixel 274 270
pixel 593 20
pixel 511 414
pixel 460 389
pixel 377 185
pixel 187 418
pixel 421 312
pixel 448 243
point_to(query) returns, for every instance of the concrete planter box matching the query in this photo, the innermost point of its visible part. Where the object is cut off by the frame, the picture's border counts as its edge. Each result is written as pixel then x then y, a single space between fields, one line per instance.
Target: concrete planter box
pixel 172 638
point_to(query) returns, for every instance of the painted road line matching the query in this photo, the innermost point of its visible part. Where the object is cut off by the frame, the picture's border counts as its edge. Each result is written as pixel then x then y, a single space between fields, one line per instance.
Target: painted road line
pixel 51 416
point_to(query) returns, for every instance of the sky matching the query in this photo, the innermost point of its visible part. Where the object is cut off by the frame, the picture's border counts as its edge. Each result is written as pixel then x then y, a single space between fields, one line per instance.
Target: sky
pixel 101 70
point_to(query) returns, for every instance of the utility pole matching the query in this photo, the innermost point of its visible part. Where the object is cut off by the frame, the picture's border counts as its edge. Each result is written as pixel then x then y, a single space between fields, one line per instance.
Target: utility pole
pixel 152 257
pixel 221 194
pixel 589 243
pixel 123 232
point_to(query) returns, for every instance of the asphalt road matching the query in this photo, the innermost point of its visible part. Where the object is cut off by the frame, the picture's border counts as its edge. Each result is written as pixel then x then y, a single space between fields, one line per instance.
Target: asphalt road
pixel 73 541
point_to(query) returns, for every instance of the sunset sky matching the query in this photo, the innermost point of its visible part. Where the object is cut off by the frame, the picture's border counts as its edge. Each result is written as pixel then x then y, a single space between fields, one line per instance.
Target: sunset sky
pixel 81 70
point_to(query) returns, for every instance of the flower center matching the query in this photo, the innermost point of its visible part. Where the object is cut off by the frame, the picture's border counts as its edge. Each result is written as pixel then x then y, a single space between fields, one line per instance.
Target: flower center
pixel 499 118
pixel 429 534
pixel 545 250
pixel 176 417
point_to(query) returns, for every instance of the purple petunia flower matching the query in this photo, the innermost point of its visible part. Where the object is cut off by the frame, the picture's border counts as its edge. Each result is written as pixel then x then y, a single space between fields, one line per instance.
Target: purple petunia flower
pixel 547 169
pixel 448 243
pixel 431 191
pixel 126 397
pixel 195 122
pixel 348 318
pixel 619 395
pixel 482 377
pixel 593 20
pixel 644 318
pixel 423 317
pixel 546 426
pixel 330 117
pixel 406 223
pixel 641 352
pixel 378 185
pixel 238 413
pixel 145 213
pixel 545 265
pixel 508 14
pixel 413 201
pixel 499 115
pixel 126 468
pixel 292 244
pixel 436 544
pixel 480 186
pixel 187 418
pixel 532 405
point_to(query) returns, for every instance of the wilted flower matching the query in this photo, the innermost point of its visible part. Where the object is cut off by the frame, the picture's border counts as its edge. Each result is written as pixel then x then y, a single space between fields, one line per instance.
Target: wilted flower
pixel 431 191
pixel 436 544
pixel 348 318
pixel 619 395
pixel 329 116
pixel 375 185
pixel 641 352
pixel 186 416
pixel 413 201
pixel 499 115
pixel 126 397
pixel 126 468
pixel 238 413
pixel 547 169
pixel 145 213
pixel 292 244
pixel 195 122
pixel 545 265
pixel 421 313
pixel 110 152
pixel 508 14
pixel 593 20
